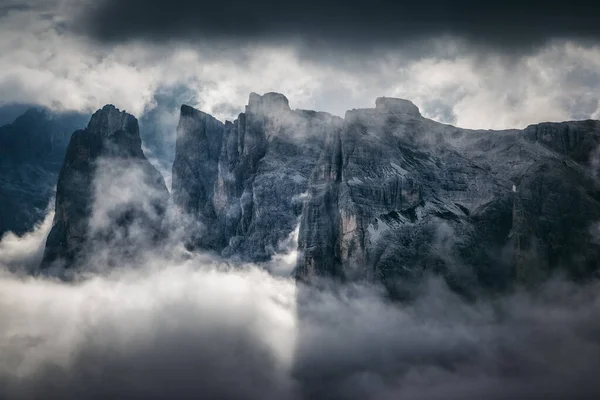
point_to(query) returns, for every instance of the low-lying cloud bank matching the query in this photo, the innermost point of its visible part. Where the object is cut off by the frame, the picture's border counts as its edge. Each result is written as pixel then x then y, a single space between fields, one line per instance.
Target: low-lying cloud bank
pixel 190 326
pixel 23 254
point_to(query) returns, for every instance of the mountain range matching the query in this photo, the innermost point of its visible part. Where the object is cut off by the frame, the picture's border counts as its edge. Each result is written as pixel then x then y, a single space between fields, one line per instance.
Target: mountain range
pixel 381 195
pixel 32 149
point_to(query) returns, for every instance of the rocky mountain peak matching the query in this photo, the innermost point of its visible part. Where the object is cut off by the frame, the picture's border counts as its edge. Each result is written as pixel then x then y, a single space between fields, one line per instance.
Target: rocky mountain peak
pixel 103 162
pixel 399 110
pixel 33 114
pixel 188 111
pixel 110 119
pixel 269 103
pixel 240 186
pixel 196 125
pixel 397 106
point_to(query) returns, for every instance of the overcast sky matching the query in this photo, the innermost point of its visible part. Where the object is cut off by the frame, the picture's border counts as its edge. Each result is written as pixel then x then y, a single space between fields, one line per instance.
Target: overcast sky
pixel 470 63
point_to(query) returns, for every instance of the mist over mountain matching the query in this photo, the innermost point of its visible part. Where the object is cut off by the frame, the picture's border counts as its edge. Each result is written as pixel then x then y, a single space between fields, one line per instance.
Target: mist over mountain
pixel 32 149
pixel 322 200
pixel 387 195
pixel 302 255
pixel 158 126
pixel 10 112
pixel 108 194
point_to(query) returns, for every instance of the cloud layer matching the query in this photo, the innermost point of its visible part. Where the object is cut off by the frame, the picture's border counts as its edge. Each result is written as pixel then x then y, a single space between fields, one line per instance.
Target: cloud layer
pixel 511 26
pixel 43 61
pixel 193 326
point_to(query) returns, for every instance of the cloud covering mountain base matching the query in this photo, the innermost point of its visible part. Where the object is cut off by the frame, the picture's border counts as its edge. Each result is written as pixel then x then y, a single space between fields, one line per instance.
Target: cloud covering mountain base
pixel 175 325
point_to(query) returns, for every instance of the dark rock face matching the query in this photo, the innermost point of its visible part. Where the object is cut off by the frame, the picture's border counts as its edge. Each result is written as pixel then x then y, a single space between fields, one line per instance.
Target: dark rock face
pixel 198 146
pixel 398 195
pixel 109 197
pixel 11 111
pixel 242 183
pixel 387 195
pixel 31 152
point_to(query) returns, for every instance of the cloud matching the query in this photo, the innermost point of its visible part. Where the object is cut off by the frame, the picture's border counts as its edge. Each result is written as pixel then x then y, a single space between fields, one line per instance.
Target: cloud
pixel 354 345
pixel 122 184
pixel 193 326
pixel 43 62
pixel 23 254
pixel 166 331
pixel 503 25
pixel 158 125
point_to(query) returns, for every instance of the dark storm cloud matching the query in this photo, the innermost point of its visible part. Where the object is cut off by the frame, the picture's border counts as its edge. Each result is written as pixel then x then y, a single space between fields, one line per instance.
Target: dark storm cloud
pixel 501 24
pixel 8 6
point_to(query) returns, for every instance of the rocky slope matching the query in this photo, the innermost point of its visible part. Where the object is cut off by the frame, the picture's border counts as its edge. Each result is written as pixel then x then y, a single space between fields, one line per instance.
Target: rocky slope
pixel 388 195
pixel 110 200
pixel 31 152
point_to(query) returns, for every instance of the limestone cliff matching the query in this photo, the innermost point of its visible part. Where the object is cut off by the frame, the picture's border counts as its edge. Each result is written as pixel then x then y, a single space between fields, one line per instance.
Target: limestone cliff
pixel 388 195
pixel 411 196
pixel 110 200
pixel 243 182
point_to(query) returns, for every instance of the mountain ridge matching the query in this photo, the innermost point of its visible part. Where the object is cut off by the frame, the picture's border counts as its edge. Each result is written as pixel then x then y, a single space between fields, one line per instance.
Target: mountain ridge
pixel 385 194
pixel 428 163
pixel 32 148
pixel 108 194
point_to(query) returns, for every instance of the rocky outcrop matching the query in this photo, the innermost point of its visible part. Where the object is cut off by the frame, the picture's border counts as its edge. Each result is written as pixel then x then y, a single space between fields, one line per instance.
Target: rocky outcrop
pixel 198 146
pixel 110 200
pixel 398 196
pixel 388 195
pixel 397 204
pixel 572 139
pixel 242 183
pixel 31 152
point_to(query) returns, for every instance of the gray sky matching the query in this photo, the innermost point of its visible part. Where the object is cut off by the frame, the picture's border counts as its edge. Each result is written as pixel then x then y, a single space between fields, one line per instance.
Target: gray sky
pixel 497 67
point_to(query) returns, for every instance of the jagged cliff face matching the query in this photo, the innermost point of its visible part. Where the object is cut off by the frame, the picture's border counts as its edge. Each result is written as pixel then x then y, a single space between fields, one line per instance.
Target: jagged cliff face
pixel 31 152
pixel 388 195
pixel 109 198
pixel 390 200
pixel 381 195
pixel 397 195
pixel 242 184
